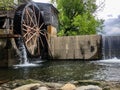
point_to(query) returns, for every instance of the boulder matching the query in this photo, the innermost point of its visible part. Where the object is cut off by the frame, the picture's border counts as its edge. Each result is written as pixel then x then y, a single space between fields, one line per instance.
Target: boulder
pixel 68 86
pixel 42 88
pixel 27 87
pixel 89 87
pixel 54 85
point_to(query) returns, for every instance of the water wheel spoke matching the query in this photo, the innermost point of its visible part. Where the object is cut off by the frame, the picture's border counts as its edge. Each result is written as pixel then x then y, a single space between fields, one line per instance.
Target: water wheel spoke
pixel 38 18
pixel 30 48
pixel 41 26
pixel 33 46
pixel 27 34
pixel 42 33
pixel 36 45
pixel 26 21
pixel 32 28
pixel 31 18
pixel 29 44
pixel 41 41
pixel 47 39
pixel 34 14
pixel 23 21
pixel 24 30
pixel 30 38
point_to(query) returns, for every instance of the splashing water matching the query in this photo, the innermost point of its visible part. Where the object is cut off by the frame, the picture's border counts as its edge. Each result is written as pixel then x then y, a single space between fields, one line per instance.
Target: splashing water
pixel 112 60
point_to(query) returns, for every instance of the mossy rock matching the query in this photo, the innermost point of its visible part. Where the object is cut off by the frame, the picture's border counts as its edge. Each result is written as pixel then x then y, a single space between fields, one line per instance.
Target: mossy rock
pixel 105 85
pixel 88 82
pixel 17 83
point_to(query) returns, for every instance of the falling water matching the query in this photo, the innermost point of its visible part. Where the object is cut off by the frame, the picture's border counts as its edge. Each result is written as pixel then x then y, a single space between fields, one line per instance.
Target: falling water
pixel 23 54
pixel 24 61
pixel 111 47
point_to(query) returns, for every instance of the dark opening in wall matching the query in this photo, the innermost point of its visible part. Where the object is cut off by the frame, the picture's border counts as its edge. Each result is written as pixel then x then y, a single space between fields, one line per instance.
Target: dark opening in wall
pixel 2 21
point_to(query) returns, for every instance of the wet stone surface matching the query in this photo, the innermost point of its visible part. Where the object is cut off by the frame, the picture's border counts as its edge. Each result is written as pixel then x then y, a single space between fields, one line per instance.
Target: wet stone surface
pixel 31 84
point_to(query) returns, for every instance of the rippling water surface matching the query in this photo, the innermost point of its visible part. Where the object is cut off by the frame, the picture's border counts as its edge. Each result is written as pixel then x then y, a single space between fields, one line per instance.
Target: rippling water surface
pixel 62 71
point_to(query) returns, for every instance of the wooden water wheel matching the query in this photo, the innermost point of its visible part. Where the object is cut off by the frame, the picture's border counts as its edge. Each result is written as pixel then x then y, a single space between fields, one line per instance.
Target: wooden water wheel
pixel 29 23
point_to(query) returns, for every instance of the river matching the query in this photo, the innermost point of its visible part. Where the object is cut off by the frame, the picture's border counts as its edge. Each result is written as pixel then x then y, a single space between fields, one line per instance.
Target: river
pixel 64 71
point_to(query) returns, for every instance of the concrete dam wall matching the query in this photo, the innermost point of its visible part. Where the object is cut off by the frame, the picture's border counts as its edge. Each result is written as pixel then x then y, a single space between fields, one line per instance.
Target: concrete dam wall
pixel 76 47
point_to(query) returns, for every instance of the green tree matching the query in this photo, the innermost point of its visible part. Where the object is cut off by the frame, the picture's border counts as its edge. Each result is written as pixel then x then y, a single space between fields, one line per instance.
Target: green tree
pixel 9 4
pixel 6 4
pixel 76 17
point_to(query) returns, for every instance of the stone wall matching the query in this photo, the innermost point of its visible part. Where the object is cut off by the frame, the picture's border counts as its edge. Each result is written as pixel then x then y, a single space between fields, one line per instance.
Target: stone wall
pixel 8 52
pixel 76 47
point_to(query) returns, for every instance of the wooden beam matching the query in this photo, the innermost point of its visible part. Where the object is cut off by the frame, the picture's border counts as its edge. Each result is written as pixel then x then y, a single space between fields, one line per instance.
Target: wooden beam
pixel 9 36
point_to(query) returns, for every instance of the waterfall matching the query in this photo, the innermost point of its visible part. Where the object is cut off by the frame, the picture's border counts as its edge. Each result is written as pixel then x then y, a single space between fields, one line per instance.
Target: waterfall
pixel 23 54
pixel 111 47
pixel 24 61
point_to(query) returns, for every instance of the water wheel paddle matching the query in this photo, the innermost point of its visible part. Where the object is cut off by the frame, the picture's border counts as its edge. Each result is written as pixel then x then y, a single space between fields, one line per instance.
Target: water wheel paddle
pixel 29 23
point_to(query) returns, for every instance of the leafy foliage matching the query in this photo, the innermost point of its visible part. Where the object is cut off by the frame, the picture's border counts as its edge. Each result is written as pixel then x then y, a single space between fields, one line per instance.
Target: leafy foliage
pixel 9 4
pixel 6 4
pixel 76 17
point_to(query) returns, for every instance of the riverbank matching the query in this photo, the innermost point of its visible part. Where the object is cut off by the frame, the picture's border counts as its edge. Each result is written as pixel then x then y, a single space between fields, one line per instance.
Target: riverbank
pixel 31 84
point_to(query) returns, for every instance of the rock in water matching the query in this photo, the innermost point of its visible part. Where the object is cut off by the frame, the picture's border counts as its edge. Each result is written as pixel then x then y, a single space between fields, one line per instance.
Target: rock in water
pixel 27 87
pixel 69 86
pixel 42 88
pixel 89 87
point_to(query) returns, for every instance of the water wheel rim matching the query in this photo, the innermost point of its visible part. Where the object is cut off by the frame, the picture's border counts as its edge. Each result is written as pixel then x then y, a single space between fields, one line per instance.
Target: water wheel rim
pixel 31 26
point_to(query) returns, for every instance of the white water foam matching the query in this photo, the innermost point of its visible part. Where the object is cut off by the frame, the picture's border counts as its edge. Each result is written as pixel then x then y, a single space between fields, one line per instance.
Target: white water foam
pixel 26 65
pixel 113 60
